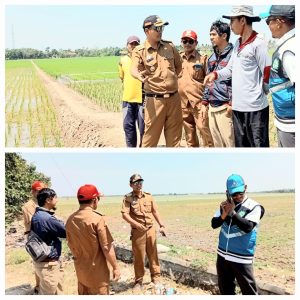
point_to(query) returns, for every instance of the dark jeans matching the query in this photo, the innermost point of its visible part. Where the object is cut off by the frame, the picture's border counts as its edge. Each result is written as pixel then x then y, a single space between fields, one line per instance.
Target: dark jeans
pixel 133 113
pixel 229 271
pixel 251 129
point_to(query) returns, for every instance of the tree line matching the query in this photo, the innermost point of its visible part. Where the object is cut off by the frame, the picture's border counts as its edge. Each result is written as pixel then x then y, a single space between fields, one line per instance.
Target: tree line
pixel 30 53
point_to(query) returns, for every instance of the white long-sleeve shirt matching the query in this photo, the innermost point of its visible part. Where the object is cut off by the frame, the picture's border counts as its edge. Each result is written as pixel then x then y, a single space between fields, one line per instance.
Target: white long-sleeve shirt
pixel 247 66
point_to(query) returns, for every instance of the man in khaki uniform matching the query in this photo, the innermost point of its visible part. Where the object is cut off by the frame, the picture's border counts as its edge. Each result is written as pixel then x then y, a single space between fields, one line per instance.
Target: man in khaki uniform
pixel 28 209
pixel 91 244
pixel 140 210
pixel 191 91
pixel 157 64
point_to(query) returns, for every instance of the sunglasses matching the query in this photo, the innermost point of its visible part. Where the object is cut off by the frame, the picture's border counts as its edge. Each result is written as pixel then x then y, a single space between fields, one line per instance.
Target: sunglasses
pixel 157 28
pixel 237 194
pixel 138 183
pixel 134 44
pixel 191 42
pixel 269 20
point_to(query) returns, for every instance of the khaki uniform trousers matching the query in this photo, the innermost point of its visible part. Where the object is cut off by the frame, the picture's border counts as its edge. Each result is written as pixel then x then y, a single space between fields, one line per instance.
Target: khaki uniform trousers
pixel 162 113
pixel 221 126
pixel 191 121
pixel 84 290
pixel 51 276
pixel 145 243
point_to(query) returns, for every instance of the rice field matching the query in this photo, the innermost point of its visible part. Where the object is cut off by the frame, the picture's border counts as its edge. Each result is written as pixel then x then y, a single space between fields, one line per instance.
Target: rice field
pixel 30 116
pixel 94 77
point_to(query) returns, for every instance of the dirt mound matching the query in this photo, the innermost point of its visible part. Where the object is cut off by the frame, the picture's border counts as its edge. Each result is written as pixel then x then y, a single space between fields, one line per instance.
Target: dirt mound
pixel 82 123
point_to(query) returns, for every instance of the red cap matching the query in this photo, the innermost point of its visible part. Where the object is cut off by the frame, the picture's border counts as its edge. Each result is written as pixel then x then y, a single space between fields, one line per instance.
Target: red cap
pixel 190 34
pixel 37 186
pixel 88 192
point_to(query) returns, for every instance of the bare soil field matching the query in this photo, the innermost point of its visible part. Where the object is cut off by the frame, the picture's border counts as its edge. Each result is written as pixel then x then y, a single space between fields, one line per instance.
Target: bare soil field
pixel 24 282
pixel 189 237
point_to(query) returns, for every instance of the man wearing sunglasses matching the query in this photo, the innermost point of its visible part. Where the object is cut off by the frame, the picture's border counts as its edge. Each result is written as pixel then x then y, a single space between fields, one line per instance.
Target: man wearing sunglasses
pixel 132 97
pixel 281 22
pixel 157 64
pixel 140 210
pixel 238 217
pixel 191 90
pixel 249 68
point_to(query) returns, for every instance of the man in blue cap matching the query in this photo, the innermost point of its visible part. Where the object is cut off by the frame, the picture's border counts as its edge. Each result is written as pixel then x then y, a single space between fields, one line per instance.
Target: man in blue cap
pixel 238 218
pixel 281 22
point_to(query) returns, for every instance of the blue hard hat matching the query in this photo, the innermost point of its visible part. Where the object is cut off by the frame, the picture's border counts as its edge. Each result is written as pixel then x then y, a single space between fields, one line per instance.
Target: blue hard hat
pixel 235 184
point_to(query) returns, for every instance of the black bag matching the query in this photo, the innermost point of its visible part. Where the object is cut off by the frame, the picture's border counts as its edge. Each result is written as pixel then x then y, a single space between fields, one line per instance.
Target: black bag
pixel 36 247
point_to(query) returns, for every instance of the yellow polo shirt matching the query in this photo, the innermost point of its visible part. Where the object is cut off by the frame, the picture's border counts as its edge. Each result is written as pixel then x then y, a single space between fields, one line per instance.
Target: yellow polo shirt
pixel 132 88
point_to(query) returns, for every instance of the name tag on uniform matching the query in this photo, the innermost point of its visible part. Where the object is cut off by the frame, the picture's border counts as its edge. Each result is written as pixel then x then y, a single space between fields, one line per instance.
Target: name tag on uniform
pixel 149 58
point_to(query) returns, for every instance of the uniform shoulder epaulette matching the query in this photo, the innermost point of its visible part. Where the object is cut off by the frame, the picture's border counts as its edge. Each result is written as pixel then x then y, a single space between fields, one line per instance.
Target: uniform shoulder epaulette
pixel 165 41
pixel 96 212
pixel 140 47
pixel 147 193
pixel 128 195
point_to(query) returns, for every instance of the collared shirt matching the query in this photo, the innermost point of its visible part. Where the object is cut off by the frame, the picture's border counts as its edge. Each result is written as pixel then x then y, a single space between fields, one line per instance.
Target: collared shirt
pixel 139 208
pixel 162 66
pixel 190 81
pixel 28 210
pixel 247 67
pixel 87 234
pixel 132 88
pixel 49 229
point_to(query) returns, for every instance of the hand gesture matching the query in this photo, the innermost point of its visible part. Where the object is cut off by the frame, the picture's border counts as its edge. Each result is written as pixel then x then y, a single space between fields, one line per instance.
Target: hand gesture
pixel 162 231
pixel 141 227
pixel 209 78
pixel 116 274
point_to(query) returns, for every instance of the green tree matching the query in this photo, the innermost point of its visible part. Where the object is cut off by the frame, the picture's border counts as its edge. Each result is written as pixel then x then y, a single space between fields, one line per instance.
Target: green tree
pixel 19 175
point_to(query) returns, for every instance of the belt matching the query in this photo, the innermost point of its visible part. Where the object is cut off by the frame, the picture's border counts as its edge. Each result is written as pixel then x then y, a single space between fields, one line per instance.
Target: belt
pixel 50 260
pixel 168 95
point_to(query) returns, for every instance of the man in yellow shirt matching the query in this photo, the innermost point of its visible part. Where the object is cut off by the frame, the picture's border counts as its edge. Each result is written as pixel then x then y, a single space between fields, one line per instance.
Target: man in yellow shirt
pixel 132 97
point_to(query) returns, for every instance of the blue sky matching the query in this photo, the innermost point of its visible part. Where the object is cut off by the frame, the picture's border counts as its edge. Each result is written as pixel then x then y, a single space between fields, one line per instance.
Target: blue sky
pixel 165 172
pixel 76 26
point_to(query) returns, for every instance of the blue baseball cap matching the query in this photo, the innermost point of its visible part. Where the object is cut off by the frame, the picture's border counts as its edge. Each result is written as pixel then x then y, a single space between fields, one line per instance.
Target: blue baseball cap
pixel 287 11
pixel 235 184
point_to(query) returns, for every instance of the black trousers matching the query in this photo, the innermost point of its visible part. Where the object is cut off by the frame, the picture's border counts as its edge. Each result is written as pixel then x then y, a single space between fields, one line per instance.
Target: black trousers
pixel 229 271
pixel 251 129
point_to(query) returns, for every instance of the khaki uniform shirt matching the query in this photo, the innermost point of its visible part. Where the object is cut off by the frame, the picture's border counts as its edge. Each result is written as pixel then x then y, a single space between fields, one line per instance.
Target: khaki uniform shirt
pixel 191 88
pixel 87 233
pixel 28 210
pixel 162 66
pixel 139 209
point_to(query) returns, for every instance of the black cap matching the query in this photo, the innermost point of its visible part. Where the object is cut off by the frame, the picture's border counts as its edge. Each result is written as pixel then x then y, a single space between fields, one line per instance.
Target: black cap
pixel 154 20
pixel 287 11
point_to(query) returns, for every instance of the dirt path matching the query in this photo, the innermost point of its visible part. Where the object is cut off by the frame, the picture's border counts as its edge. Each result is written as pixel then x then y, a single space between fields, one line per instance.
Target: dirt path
pixel 82 123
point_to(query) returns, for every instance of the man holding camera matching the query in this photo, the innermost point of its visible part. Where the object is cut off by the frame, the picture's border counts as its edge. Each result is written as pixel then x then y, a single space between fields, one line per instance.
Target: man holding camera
pixel 238 218
pixel 191 90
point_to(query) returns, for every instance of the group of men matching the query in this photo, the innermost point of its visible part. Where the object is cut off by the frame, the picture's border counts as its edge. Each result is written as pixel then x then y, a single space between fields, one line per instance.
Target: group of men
pixel 224 96
pixel 90 240
pixel 92 248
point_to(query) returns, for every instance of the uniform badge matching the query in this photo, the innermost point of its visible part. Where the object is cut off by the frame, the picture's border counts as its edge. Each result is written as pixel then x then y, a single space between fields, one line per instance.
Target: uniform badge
pixel 149 58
